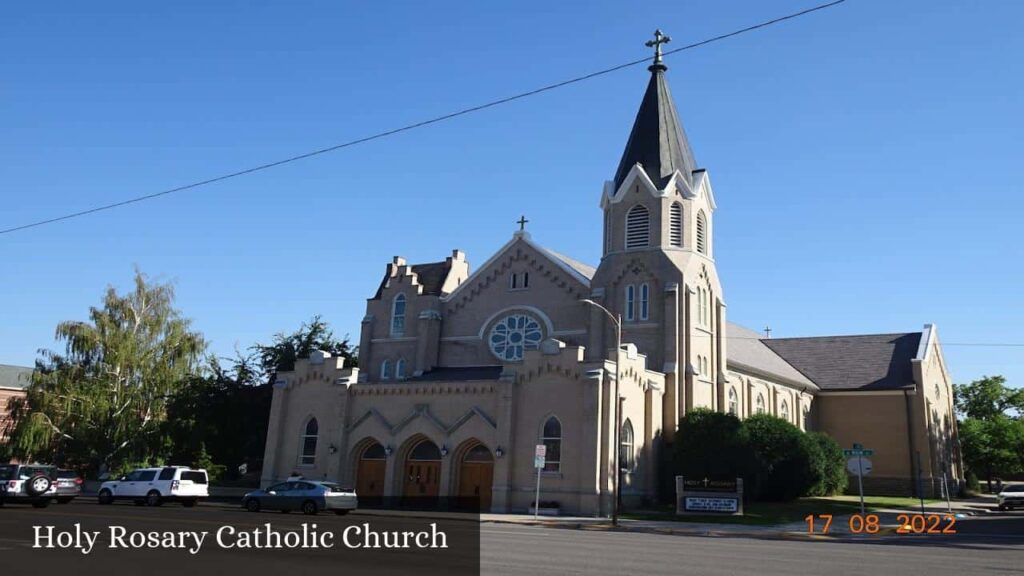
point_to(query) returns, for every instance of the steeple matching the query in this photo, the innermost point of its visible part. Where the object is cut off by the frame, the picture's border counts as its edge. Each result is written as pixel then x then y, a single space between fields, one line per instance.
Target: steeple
pixel 657 141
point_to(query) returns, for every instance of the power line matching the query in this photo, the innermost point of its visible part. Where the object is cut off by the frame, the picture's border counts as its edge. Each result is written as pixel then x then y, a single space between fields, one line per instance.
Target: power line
pixel 416 125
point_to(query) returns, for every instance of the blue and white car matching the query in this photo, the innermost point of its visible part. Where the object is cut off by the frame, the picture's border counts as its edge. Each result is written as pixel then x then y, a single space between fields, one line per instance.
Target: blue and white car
pixel 309 496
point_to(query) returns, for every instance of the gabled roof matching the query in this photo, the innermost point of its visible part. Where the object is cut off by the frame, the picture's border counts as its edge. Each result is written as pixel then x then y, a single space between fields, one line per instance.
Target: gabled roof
pixel 15 376
pixel 657 141
pixel 431 276
pixel 863 362
pixel 585 270
pixel 748 352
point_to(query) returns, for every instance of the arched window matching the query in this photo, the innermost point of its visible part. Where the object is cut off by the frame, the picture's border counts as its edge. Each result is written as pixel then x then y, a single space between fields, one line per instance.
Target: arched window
pixel 400 369
pixel 645 295
pixel 638 227
pixel 675 225
pixel 759 405
pixel 734 402
pixel 702 233
pixel 630 302
pixel 374 452
pixel 398 315
pixel 784 411
pixel 551 437
pixel 307 456
pixel 607 231
pixel 385 370
pixel 627 457
pixel 425 451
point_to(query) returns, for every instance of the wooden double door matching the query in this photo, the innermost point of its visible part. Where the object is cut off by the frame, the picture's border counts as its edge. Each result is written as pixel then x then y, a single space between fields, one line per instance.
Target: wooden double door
pixel 475 480
pixel 422 479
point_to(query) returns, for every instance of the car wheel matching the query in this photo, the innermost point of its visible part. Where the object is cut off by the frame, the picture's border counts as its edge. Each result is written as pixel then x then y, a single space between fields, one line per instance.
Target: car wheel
pixel 309 508
pixel 153 498
pixel 189 503
pixel 341 512
pixel 38 485
pixel 105 497
pixel 40 503
pixel 252 505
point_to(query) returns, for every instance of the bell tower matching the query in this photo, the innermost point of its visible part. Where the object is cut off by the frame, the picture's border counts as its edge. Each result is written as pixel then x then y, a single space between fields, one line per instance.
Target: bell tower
pixel 657 268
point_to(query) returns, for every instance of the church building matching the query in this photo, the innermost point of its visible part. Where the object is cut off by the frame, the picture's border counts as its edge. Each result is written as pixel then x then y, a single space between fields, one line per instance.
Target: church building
pixel 462 372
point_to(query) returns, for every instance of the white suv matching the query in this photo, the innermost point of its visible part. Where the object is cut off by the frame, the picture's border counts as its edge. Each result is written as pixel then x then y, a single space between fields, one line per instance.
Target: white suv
pixel 32 483
pixel 154 486
pixel 1011 497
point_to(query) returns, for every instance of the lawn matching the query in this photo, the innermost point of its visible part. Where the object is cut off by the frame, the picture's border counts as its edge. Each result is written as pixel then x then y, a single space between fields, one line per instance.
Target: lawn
pixel 767 513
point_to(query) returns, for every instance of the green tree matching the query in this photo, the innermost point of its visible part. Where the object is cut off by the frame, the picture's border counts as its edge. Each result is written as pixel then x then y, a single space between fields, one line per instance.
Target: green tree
pixel 281 354
pixel 992 429
pixel 829 464
pixel 102 401
pixel 784 466
pixel 987 398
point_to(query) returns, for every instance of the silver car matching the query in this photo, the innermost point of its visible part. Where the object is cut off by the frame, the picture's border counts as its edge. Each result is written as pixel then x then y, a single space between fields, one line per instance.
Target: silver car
pixel 309 496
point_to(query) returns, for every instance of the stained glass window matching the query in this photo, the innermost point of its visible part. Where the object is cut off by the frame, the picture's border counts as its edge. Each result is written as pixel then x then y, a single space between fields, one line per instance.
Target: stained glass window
pixel 513 335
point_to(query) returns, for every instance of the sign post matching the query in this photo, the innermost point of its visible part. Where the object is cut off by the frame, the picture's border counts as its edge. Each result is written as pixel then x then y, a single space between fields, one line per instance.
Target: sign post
pixel 539 454
pixel 859 465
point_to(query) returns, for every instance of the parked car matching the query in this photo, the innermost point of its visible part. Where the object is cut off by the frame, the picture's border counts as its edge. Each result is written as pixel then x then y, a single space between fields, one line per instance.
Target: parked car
pixel 309 496
pixel 154 486
pixel 69 485
pixel 34 484
pixel 1011 496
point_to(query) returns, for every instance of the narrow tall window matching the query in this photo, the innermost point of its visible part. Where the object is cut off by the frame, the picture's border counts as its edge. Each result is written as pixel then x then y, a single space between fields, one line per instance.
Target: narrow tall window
pixel 702 233
pixel 607 231
pixel 526 279
pixel 513 280
pixel 734 402
pixel 400 369
pixel 645 294
pixel 675 225
pixel 759 405
pixel 398 316
pixel 784 411
pixel 309 436
pixel 638 227
pixel 551 437
pixel 627 455
pixel 385 370
pixel 630 302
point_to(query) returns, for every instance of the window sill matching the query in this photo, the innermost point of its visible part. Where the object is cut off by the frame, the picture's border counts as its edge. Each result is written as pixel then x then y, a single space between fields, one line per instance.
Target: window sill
pixel 554 475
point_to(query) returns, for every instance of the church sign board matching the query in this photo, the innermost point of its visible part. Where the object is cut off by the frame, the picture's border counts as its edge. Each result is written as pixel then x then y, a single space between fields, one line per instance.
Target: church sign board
pixel 709 496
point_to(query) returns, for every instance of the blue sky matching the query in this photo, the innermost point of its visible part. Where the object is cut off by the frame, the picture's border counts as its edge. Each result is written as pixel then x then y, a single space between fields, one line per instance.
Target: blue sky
pixel 863 157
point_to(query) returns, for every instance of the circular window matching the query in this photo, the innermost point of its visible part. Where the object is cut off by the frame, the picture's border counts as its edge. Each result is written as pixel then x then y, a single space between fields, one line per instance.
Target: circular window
pixel 513 335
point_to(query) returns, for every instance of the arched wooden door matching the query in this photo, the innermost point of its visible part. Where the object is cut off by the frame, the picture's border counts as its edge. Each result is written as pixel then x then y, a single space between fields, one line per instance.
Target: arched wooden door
pixel 423 471
pixel 370 474
pixel 476 475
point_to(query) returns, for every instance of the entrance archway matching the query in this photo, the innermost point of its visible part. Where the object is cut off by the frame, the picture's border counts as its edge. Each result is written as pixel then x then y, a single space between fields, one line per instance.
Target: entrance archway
pixel 370 473
pixel 476 475
pixel 422 471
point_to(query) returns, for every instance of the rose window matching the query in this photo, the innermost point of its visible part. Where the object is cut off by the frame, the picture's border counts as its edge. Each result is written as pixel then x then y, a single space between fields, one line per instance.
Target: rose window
pixel 513 335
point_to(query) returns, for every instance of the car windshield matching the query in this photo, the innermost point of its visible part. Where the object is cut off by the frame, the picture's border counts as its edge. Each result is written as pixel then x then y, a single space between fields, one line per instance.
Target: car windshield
pixel 67 474
pixel 331 486
pixel 1014 488
pixel 195 476
pixel 30 471
pixel 7 471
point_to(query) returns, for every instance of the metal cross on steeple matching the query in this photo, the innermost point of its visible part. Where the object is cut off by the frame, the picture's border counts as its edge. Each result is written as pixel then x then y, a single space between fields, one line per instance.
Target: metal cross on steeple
pixel 522 223
pixel 659 39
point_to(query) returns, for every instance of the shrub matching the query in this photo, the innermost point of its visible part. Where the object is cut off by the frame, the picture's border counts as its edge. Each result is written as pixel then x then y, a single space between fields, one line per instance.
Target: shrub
pixel 710 444
pixel 783 458
pixel 829 464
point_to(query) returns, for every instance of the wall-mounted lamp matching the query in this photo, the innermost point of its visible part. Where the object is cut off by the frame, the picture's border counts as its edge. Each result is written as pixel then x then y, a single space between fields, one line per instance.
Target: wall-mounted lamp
pixel 388 450
pixel 332 449
pixel 499 452
pixel 444 450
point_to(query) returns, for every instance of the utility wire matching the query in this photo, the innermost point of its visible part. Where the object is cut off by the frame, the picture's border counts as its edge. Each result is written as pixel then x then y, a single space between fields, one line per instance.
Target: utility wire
pixel 421 124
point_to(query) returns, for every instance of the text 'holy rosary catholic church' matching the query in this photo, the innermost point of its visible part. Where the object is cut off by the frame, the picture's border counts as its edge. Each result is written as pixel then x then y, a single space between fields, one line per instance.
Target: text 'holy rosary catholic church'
pixel 462 374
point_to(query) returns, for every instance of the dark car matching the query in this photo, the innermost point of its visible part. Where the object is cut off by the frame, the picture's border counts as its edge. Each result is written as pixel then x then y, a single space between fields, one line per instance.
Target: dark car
pixel 309 496
pixel 69 485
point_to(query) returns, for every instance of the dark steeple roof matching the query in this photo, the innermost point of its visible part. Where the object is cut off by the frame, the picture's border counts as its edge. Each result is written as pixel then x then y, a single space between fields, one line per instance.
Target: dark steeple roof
pixel 657 141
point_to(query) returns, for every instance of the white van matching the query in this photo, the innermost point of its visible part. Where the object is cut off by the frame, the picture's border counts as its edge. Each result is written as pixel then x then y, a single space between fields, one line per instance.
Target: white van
pixel 154 486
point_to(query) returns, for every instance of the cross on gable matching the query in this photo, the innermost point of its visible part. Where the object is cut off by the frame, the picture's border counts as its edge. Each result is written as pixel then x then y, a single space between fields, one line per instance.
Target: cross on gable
pixel 659 39
pixel 522 222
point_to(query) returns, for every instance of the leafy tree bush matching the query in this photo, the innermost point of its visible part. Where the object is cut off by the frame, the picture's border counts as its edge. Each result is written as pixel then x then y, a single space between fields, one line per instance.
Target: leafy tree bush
pixel 783 459
pixel 711 444
pixel 830 465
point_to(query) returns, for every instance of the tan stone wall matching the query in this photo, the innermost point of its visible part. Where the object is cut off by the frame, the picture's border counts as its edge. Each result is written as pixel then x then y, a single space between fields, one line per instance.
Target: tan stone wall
pixel 879 422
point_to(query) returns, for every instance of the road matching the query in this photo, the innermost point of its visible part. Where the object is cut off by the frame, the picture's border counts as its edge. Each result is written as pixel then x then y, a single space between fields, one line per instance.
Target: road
pixel 983 546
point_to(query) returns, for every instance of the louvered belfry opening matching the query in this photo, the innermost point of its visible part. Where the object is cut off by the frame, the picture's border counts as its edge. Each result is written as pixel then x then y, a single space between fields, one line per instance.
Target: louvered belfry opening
pixel 702 226
pixel 638 227
pixel 675 231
